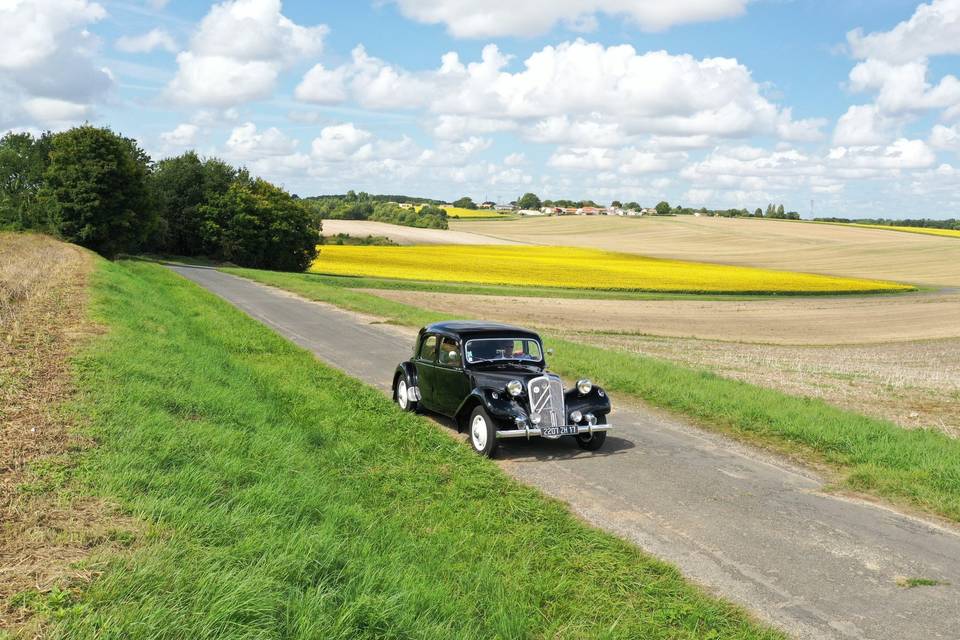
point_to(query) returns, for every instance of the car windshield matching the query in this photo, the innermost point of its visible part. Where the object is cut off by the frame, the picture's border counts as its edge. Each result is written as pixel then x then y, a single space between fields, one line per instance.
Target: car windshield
pixel 493 349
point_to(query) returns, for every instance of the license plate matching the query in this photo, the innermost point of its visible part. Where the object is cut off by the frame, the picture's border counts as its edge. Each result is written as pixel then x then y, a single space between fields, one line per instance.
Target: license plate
pixel 570 430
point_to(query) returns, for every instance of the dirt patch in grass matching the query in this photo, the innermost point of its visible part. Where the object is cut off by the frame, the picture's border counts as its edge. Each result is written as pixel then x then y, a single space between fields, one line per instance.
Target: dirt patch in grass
pixel 44 532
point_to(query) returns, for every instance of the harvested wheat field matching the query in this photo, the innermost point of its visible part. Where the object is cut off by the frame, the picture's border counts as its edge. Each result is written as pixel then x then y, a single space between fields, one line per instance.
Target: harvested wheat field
pixel 408 235
pixel 928 260
pixel 913 384
pixel 798 321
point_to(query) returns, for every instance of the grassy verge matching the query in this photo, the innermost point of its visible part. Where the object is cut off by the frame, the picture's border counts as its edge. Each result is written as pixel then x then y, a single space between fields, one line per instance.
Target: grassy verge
pixel 288 500
pixel 916 467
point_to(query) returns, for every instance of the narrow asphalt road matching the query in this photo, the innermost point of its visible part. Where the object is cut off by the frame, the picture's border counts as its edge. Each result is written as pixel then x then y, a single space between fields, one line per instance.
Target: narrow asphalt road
pixel 748 527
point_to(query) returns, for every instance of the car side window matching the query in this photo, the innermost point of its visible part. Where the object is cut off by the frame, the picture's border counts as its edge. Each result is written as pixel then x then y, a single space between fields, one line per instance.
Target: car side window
pixel 450 353
pixel 428 349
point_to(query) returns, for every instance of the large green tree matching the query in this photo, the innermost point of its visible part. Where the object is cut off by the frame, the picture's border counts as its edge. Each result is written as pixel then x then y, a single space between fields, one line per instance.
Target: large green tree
pixel 663 208
pixel 180 186
pixel 98 181
pixel 529 201
pixel 256 224
pixel 466 202
pixel 23 162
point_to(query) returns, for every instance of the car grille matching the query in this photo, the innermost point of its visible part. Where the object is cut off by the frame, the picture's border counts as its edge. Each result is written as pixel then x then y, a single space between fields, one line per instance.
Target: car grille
pixel 546 398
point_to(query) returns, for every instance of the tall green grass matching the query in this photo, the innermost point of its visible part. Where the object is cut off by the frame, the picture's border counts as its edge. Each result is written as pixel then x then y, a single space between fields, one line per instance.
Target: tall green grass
pixel 919 467
pixel 289 501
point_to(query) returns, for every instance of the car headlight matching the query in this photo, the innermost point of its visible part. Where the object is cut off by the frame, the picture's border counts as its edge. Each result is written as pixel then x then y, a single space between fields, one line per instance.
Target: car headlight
pixel 576 416
pixel 514 388
pixel 534 418
pixel 584 386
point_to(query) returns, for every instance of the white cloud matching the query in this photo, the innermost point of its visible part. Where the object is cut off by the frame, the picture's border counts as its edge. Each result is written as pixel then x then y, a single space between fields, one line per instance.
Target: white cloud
pixel 904 87
pixel 575 90
pixel 183 135
pixel 491 18
pixel 51 110
pixel 239 51
pixel 153 39
pixel 452 127
pixel 245 142
pixel 863 125
pixel 942 137
pixel 624 161
pixel 515 159
pixel 933 29
pixel 322 85
pixel 32 32
pixel 48 76
pixel 338 142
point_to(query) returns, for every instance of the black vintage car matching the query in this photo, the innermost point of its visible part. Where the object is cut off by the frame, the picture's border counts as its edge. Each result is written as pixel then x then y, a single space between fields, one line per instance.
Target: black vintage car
pixel 492 380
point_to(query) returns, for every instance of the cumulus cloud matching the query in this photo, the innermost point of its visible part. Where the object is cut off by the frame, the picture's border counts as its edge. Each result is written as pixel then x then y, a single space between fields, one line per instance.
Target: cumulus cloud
pixel 181 136
pixel 567 92
pixel 47 70
pixel 147 42
pixel 246 142
pixel 238 52
pixel 943 137
pixel 933 29
pixel 864 125
pixel 492 18
pixel 338 142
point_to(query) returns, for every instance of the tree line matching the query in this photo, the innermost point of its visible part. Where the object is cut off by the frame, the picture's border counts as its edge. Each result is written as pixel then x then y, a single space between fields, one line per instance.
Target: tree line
pixel 363 206
pixel 94 187
pixel 949 223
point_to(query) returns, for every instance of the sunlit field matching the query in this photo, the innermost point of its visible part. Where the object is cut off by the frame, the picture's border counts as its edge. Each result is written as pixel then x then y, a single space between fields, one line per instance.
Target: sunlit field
pixel 571 267
pixel 460 212
pixel 950 233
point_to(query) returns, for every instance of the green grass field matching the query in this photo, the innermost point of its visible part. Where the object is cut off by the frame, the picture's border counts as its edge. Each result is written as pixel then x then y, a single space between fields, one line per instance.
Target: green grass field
pixel 283 499
pixel 918 467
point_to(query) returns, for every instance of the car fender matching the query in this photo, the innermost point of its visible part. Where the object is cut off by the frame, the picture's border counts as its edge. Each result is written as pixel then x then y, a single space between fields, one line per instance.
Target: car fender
pixel 408 369
pixel 596 402
pixel 498 404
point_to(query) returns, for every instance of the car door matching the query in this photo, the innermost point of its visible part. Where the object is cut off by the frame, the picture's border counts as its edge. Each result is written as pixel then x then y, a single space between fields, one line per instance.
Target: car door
pixel 450 384
pixel 425 363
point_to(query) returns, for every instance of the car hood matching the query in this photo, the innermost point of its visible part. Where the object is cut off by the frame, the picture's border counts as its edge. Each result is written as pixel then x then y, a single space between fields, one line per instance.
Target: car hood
pixel 498 379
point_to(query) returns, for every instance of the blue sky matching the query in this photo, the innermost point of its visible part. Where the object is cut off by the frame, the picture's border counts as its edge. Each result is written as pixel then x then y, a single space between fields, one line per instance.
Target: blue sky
pixel 720 103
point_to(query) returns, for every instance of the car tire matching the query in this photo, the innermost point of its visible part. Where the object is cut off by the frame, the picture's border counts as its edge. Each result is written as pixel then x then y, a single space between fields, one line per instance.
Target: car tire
pixel 595 441
pixel 400 394
pixel 482 432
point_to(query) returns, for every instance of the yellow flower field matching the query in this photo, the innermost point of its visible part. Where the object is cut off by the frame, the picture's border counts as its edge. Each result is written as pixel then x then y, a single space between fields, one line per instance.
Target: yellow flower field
pixel 951 233
pixel 460 212
pixel 571 267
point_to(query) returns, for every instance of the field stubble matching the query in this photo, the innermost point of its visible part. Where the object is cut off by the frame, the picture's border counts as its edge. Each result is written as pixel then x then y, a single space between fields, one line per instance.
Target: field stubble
pixel 855 252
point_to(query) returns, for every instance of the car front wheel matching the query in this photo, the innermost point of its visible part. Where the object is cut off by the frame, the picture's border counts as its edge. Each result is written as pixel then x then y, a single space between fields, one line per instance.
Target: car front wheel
pixel 482 432
pixel 402 396
pixel 595 441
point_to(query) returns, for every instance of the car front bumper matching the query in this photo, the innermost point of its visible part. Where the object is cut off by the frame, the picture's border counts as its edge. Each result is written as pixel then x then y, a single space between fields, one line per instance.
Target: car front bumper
pixel 529 432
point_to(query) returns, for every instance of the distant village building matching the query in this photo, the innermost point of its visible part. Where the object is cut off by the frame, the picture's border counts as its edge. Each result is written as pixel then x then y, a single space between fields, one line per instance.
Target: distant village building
pixel 487 205
pixel 503 207
pixel 531 212
pixel 647 211
pixel 588 211
pixel 406 205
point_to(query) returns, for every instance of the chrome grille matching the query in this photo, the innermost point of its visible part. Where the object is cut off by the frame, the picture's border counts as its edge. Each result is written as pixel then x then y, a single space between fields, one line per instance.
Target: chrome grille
pixel 546 398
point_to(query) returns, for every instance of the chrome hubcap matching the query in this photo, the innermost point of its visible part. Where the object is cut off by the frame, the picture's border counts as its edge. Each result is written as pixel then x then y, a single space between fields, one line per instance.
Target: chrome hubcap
pixel 478 433
pixel 402 394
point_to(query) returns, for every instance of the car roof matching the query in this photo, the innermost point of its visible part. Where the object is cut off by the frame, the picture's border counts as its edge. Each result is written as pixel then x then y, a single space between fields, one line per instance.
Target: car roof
pixel 479 329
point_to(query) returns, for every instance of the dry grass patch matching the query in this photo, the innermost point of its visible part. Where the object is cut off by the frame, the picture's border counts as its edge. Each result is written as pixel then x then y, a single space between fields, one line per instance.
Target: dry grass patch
pixel 43 532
